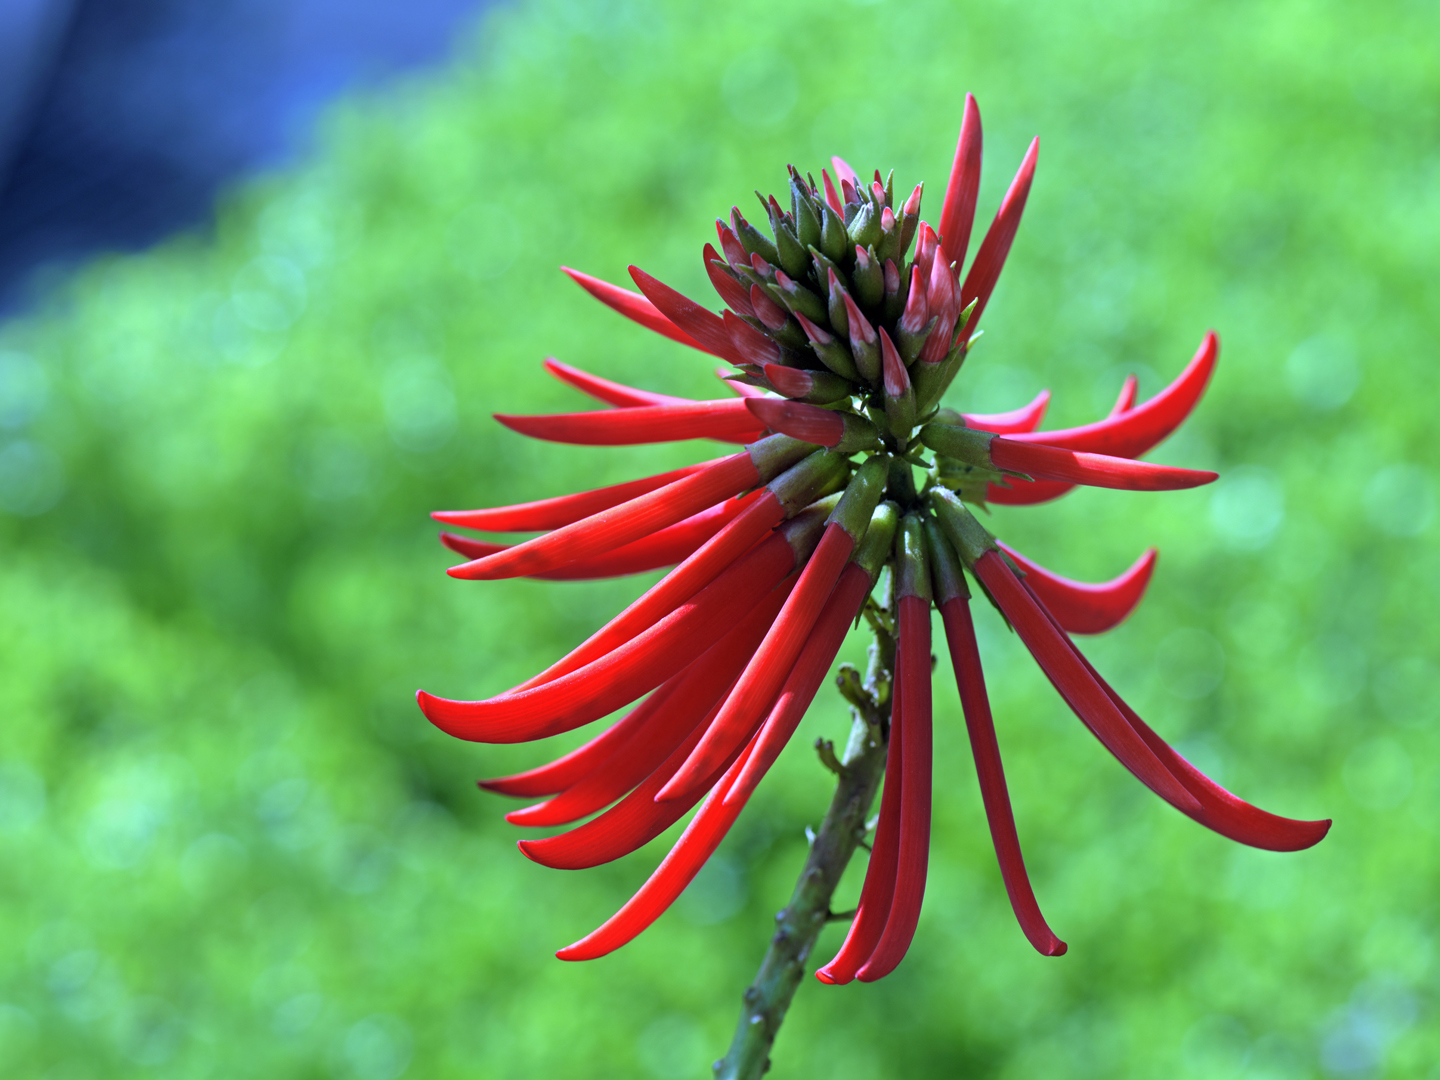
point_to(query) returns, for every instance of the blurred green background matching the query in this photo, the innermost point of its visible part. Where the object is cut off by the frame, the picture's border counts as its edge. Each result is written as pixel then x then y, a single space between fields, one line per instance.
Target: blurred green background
pixel 233 847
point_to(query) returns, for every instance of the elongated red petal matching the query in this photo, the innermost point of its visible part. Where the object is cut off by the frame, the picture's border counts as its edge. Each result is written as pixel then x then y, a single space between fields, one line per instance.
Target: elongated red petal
pixel 769 667
pixel 636 819
pixel 570 769
pixel 810 423
pixel 1133 432
pixel 622 675
pixel 1125 434
pixel 820 650
pixel 619 524
pixel 666 547
pixel 1081 608
pixel 985 270
pixel 1025 418
pixel 1096 470
pixel 969 677
pixel 1059 660
pixel 697 571
pixel 1226 814
pixel 634 307
pixel 726 419
pixel 698 689
pixel 562 509
pixel 878 893
pixel 700 323
pixel 958 216
pixel 913 662
pixel 612 393
pixel 679 867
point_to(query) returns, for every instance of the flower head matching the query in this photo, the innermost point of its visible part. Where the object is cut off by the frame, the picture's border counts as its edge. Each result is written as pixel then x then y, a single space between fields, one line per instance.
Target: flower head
pixel 844 325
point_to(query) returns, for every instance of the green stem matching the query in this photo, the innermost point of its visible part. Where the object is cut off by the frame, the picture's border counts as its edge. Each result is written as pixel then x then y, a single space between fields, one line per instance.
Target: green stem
pixel 800 921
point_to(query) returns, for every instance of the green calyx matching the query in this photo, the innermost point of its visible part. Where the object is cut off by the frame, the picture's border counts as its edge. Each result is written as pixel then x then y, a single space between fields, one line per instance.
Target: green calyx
pixel 912 563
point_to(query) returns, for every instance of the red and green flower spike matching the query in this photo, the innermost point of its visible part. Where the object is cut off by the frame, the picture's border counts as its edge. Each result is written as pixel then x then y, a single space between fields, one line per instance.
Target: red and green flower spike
pixel 777 549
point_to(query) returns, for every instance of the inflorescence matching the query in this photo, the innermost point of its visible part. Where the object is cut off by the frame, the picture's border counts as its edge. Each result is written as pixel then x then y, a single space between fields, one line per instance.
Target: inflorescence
pixel 843 343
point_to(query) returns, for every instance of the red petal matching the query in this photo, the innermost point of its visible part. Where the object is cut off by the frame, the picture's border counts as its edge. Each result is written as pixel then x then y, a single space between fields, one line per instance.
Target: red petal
pixel 696 844
pixel 697 692
pixel 622 675
pixel 1097 470
pixel 572 768
pixel 1025 418
pixel 612 393
pixel 700 323
pixel 638 818
pixel 1059 659
pixel 1226 814
pixel 958 215
pixel 805 679
pixel 609 529
pixel 878 892
pixel 633 306
pixel 562 509
pixel 769 667
pixel 722 419
pixel 969 677
pixel 1137 430
pixel 697 571
pixel 664 548
pixel 913 662
pixel 1081 608
pixel 985 270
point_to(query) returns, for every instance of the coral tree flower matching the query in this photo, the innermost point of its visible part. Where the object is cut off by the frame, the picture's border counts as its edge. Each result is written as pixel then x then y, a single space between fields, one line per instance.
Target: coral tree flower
pixel 845 324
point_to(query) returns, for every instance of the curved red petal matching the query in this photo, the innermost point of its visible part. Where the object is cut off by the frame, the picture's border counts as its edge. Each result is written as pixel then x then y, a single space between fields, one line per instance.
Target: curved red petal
pixel 1219 810
pixel 877 894
pixel 1025 418
pixel 805 679
pixel 970 679
pixel 679 867
pixel 726 419
pixel 562 509
pixel 1059 659
pixel 620 676
pixel 612 393
pixel 630 520
pixel 700 323
pixel 1095 470
pixel 985 270
pixel 570 769
pixel 912 862
pixel 771 665
pixel 957 217
pixel 634 307
pixel 1081 608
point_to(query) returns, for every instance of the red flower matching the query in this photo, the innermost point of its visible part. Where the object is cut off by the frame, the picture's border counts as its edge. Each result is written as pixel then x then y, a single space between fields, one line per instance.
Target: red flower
pixel 843 351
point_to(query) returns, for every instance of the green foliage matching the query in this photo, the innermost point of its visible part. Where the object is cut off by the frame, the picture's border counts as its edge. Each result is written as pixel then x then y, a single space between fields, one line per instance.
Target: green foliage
pixel 233 846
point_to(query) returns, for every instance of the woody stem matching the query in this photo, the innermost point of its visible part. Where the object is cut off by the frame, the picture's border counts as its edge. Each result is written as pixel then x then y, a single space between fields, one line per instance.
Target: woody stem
pixel 799 923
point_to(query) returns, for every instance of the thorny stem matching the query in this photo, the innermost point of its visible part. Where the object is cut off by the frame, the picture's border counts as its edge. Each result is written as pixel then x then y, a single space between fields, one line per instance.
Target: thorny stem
pixel 799 923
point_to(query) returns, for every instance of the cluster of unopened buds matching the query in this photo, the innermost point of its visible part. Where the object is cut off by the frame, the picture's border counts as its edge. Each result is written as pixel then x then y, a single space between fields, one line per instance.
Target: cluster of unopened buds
pixel 842 345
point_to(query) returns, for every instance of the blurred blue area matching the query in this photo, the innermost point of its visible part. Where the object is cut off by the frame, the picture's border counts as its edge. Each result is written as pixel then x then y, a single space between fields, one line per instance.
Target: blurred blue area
pixel 120 119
